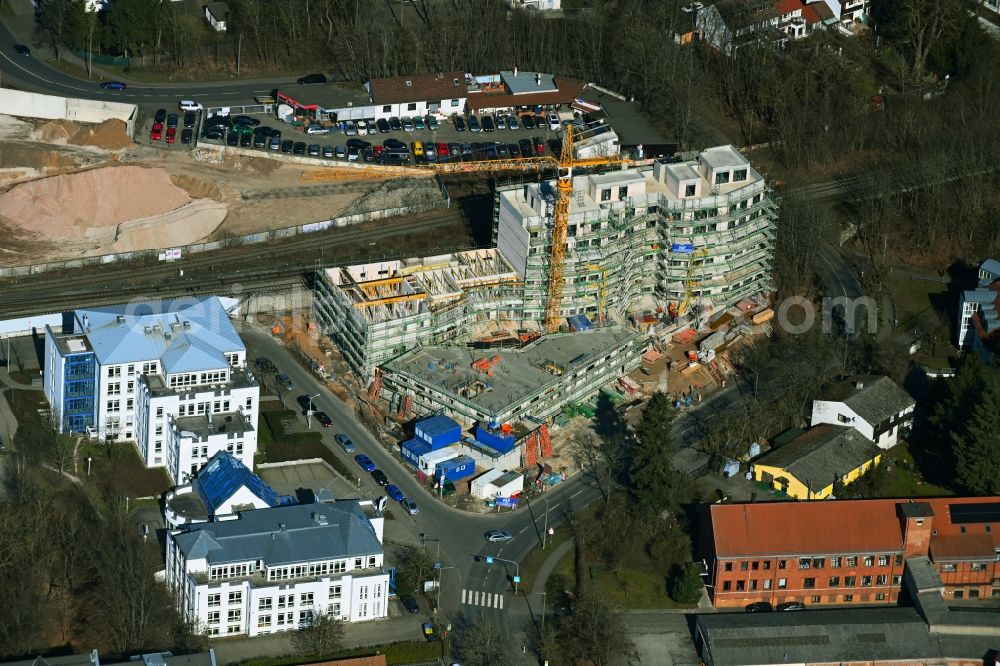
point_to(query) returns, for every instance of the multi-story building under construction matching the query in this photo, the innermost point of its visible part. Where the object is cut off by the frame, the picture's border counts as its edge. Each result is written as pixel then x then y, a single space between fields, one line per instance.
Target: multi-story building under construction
pixel 663 237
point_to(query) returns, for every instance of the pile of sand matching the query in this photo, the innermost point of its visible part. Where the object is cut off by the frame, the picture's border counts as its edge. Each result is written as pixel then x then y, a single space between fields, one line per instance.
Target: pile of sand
pixel 112 134
pixel 66 206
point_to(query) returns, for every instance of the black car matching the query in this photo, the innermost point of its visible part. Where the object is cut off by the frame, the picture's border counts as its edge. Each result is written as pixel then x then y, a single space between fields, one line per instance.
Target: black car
pixel 514 150
pixel 459 124
pixel 527 150
pixel 172 120
pixel 383 125
pixel 328 152
pixel 215 133
pixel 395 124
pixel 287 145
pixel 528 122
pixel 473 124
pixel 189 118
pixel 260 140
pixel 410 604
pixel 455 149
pixel 160 116
pixel 488 124
pixel 324 419
pixel 759 607
pixel 246 140
pixel 491 151
pixel 395 144
pixel 502 151
pixel 218 121
pixel 299 148
pixel 233 139
pixel 304 402
pixel 311 78
pixel 380 477
pixel 187 135
pixel 368 154
pixel 22 50
pixel 360 144
pixel 314 150
pixel 477 151
pixel 246 120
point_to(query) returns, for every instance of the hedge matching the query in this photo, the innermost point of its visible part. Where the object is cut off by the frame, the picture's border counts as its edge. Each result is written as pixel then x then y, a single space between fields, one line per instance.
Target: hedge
pixel 395 654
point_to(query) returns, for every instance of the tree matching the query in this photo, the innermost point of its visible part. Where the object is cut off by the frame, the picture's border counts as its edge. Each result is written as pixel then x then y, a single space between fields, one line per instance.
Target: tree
pixel 977 449
pixel 322 636
pixel 600 459
pixel 656 486
pixel 593 632
pixel 480 642
pixel 415 567
pixel 685 584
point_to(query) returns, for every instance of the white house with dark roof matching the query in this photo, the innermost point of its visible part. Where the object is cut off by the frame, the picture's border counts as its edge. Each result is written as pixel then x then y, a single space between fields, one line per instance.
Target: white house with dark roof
pixel 170 375
pixel 875 406
pixel 272 570
pixel 979 310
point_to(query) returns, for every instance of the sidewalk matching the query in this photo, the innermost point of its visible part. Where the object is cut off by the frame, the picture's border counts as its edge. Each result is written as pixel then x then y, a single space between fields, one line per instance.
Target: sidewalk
pixel 550 563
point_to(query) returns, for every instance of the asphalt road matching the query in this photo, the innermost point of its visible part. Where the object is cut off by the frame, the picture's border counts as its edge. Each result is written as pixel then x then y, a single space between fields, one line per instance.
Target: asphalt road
pixel 459 534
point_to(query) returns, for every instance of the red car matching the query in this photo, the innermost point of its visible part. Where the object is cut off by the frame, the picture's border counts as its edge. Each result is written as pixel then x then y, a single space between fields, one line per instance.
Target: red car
pixel 442 149
pixel 378 150
pixel 325 420
pixel 539 146
pixel 156 133
pixel 171 134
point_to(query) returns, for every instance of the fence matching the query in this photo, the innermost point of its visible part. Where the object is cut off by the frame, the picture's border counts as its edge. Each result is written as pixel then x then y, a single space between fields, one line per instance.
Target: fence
pixel 114 61
pixel 248 239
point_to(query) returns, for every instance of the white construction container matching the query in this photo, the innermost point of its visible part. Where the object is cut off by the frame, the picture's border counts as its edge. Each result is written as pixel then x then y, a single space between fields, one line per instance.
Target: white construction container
pixel 429 461
pixel 497 483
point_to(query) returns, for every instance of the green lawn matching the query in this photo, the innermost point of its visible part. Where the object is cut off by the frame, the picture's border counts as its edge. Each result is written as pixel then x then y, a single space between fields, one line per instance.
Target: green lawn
pixel 67 68
pixel 901 482
pixel 913 298
pixel 633 587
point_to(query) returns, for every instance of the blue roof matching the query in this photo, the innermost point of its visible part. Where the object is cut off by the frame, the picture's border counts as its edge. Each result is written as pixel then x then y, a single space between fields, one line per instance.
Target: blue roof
pixel 991 266
pixel 223 475
pixel 437 425
pixel 185 335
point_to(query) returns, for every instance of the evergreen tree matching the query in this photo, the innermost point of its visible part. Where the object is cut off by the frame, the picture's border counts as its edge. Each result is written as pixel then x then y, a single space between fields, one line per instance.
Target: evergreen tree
pixel 656 486
pixel 685 585
pixel 977 449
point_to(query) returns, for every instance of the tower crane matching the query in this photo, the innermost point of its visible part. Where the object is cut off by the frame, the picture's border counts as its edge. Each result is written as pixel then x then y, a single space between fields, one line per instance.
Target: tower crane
pixel 564 166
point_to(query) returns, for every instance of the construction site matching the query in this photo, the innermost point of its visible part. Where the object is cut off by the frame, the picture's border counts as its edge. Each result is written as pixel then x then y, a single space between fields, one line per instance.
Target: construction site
pixel 610 279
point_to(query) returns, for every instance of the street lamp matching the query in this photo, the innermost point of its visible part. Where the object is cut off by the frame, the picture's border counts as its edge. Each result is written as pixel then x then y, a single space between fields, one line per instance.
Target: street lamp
pixel 543 593
pixel 309 412
pixel 89 460
pixel 437 565
pixel 490 559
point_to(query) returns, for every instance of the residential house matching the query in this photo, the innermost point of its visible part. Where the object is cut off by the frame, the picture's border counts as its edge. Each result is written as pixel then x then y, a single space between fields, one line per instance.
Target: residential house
pixel 418 94
pixel 810 465
pixel 875 406
pixel 727 24
pixel 513 90
pixel 979 312
pixel 536 5
pixel 843 552
pixel 275 569
pixel 216 14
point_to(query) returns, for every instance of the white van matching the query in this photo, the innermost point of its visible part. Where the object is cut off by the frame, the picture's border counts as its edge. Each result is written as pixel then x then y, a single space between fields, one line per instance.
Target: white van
pixel 190 105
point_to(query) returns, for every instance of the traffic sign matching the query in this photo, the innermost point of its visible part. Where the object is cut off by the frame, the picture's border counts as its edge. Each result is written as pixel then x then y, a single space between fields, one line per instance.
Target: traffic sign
pixel 517 579
pixel 489 559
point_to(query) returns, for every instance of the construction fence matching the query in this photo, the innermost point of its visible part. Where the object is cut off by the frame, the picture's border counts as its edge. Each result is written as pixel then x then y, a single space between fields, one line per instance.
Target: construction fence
pixel 248 239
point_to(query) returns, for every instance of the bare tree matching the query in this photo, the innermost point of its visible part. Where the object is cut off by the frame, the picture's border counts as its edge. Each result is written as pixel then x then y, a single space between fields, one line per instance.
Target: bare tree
pixel 323 635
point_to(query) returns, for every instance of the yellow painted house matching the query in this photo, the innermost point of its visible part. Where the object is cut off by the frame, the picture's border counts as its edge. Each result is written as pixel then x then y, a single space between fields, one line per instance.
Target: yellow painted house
pixel 807 467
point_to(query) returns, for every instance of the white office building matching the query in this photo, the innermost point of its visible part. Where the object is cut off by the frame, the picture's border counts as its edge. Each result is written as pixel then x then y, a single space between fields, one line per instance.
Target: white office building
pixel 169 375
pixel 272 570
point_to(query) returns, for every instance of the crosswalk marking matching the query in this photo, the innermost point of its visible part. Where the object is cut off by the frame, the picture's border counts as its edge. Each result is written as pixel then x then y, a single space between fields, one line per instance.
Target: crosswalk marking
pixel 482 599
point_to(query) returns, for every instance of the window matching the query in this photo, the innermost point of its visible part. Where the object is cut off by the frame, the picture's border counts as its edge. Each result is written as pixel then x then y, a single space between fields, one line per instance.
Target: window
pixel 767 583
pixel 114 371
pixel 897 580
pixel 371 561
pixel 843 419
pixel 834 581
pixel 339 567
pixel 744 566
pixel 959 594
pixel 282 602
pixel 412 106
pixel 973 594
pixel 848 597
pixel 739 175
pixel 623 192
pixel 880 597
pixel 809 583
pixel 234 614
pixel 214 599
pixel 265 604
pixel 689 190
pixel 728 566
pixel 722 178
pixel 741 586
pixel 305 617
pixel 881 580
pixel 805 563
pixel 852 561
pixel 819 562
pixel 333 609
pixel 233 629
pixel 782 583
pixel 454 102
pixel 159 412
pixel 869 561
pixel 835 562
pixel 264 621
pixel 726 586
pixel 948 568
pixel 899 560
pixel 357 562
pixel 606 194
pixel 977 566
pixel 282 617
pixel 213 617
pixel 753 584
pixel 235 598
pixel 114 405
pixel 114 388
pixel 781 564
pixel 815 599
pixel 306 599
pixel 387 108
pixel 767 565
pixel 850 581
pixel 866 581
pixel 883 560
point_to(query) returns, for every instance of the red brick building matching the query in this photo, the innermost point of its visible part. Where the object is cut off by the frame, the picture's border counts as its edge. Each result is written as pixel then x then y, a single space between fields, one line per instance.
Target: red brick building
pixel 849 551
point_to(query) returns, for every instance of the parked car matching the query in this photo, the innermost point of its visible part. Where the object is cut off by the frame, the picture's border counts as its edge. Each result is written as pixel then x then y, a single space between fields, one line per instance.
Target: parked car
pixel 22 50
pixel 287 146
pixel 459 124
pixel 311 78
pixel 368 154
pixel 407 123
pixel 527 149
pixel 324 419
pixel 304 403
pixel 514 151
pixel 232 139
pixel 284 380
pixel 395 493
pixel 246 140
pixel 299 148
pixel 418 123
pixel 189 119
pixel 353 153
pixel 759 607
pixel 172 120
pixel 417 148
pixel 410 604
pixel 430 152
pixel 473 124
pixel 341 152
pixel 260 140
pixel 361 127
pixel 512 122
pixel 502 151
pixel 275 142
pixel 380 477
pixel 455 149
pixel 241 129
pixel 790 606
pixel 539 146
pixel 156 133
pixel 314 150
pixel 383 125
pixel 488 124
pixel 364 462
pixel 498 536
pixel 361 143
pixel 378 150
pixel 395 124
pixel 113 85
pixel 491 151
pixel 218 121
pixel 328 152
pixel 190 105
pixel 215 133
pixel 350 128
pixel 432 122
pixel 317 129
pixel 160 116
pixel 345 443
pixel 528 121
pixel 442 150
pixel 187 136
pixel 246 120
pixel 410 507
pixel 553 121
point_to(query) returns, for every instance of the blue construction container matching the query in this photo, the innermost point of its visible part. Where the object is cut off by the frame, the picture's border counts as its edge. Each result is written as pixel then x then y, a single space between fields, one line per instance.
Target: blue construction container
pixel 412 449
pixel 495 439
pixel 457 468
pixel 438 431
pixel 579 323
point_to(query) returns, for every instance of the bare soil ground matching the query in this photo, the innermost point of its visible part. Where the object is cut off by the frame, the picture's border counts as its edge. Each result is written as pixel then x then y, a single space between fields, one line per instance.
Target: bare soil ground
pixel 69 190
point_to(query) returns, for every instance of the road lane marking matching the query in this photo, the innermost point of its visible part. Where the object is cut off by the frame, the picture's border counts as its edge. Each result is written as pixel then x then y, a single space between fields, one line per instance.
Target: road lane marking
pixel 500 601
pixel 463 594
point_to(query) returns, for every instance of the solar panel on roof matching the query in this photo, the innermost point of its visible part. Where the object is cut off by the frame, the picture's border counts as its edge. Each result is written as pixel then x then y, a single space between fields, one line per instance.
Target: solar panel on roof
pixel 986 512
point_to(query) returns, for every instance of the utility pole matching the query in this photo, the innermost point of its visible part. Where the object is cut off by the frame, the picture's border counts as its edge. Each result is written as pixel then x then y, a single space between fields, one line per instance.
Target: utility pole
pixel 309 412
pixel 545 531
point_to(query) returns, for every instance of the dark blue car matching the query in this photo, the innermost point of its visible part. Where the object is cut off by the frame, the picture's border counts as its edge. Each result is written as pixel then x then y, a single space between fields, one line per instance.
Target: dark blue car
pixel 365 462
pixel 395 493
pixel 113 85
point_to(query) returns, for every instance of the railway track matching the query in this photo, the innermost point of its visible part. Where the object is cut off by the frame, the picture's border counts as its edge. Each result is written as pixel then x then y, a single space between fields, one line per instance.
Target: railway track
pixel 250 267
